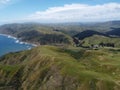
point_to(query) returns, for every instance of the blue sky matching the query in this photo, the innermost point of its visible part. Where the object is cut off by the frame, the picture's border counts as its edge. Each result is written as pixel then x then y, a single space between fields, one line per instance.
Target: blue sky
pixel 58 10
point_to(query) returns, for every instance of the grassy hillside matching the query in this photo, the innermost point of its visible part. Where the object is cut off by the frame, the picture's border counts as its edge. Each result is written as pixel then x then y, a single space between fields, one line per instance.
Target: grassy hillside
pixel 97 39
pixel 36 33
pixel 53 68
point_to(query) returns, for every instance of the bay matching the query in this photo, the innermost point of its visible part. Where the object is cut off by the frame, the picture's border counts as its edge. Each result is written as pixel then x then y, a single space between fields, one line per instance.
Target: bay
pixel 11 44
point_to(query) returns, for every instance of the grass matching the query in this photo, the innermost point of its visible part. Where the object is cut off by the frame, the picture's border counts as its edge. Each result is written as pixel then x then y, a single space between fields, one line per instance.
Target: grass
pixel 80 64
pixel 10 70
pixel 96 39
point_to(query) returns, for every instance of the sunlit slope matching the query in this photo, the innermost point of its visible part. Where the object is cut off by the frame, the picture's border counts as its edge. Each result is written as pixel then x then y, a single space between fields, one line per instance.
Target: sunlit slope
pixel 97 39
pixel 53 68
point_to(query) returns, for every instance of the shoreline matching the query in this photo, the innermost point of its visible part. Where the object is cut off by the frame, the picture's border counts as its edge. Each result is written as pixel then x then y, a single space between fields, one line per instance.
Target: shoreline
pixel 18 40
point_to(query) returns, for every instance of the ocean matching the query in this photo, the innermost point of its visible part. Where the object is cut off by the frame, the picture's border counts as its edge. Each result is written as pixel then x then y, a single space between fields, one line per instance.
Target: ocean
pixel 11 44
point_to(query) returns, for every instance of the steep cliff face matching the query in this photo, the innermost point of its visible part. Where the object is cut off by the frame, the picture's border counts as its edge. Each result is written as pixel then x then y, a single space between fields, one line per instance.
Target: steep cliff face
pixel 52 68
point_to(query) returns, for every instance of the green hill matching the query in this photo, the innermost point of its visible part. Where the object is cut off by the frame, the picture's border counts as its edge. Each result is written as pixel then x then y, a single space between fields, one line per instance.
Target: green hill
pixel 53 68
pixel 51 34
pixel 97 39
pixel 36 33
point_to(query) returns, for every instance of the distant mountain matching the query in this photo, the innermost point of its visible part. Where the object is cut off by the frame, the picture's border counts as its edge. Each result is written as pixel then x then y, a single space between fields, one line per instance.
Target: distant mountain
pixel 74 28
pixel 108 23
pixel 114 22
pixel 88 33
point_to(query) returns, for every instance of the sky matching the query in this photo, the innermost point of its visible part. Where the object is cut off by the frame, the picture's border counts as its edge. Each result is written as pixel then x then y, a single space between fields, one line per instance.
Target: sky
pixel 57 11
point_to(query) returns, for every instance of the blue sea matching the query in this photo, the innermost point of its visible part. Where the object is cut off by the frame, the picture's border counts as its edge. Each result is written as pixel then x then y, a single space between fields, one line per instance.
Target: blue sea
pixel 11 44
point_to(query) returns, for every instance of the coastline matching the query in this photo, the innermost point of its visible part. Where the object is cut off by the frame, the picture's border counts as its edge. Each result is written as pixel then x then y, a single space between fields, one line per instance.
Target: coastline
pixel 18 40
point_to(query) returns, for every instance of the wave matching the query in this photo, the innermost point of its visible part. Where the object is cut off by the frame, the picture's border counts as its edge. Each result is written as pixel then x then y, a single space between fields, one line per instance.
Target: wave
pixel 18 41
pixel 9 36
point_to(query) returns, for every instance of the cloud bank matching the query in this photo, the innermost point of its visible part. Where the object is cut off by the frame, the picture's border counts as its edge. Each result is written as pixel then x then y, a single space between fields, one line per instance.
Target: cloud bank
pixel 78 13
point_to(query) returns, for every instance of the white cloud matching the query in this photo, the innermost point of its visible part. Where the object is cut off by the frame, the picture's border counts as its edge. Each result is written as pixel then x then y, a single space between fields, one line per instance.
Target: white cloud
pixel 4 1
pixel 78 13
